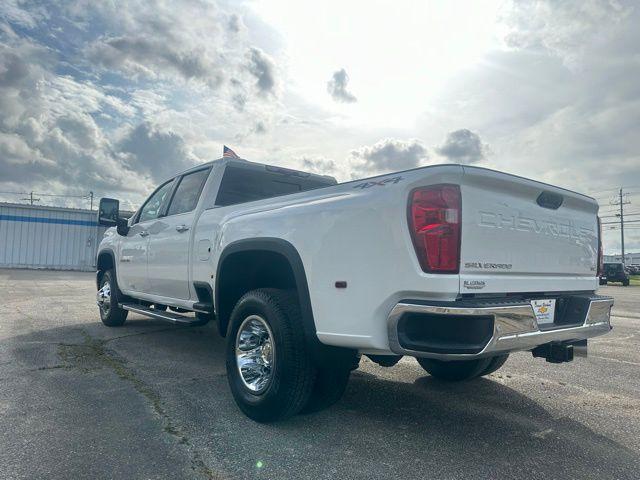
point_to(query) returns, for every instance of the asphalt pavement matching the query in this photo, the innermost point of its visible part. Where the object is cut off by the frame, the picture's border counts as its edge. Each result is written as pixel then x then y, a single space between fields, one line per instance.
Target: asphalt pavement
pixel 150 400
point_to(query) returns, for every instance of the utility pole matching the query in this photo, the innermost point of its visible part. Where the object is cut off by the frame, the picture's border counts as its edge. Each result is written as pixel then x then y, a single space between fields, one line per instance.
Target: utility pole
pixel 31 199
pixel 622 203
pixel 622 226
pixel 91 196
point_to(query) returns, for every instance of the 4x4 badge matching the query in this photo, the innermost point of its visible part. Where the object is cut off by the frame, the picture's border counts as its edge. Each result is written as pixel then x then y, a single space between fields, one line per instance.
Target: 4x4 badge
pixel 381 183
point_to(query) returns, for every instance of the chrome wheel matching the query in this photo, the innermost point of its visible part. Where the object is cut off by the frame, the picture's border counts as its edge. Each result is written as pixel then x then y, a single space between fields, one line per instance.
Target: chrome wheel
pixel 103 297
pixel 255 353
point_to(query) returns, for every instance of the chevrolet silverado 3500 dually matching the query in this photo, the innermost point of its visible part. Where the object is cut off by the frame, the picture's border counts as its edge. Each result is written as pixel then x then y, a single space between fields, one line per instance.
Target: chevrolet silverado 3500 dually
pixel 456 266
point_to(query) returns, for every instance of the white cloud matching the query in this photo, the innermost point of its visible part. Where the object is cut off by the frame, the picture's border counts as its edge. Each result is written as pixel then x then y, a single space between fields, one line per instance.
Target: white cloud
pixel 387 156
pixel 158 154
pixel 463 146
pixel 319 165
pixel 562 103
pixel 337 87
pixel 569 29
pixel 261 66
pixel 110 96
pixel 12 11
pixel 113 108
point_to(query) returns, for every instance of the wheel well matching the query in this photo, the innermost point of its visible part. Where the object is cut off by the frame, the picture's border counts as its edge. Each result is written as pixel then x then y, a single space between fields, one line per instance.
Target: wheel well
pixel 247 270
pixel 104 263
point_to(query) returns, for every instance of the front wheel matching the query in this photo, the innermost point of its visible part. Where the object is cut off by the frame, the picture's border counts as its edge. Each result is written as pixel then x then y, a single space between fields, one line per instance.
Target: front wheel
pixel 269 367
pixel 456 370
pixel 108 301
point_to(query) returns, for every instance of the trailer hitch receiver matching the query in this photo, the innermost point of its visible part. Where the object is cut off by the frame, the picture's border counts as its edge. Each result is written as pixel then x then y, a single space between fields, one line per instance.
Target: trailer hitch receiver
pixel 558 352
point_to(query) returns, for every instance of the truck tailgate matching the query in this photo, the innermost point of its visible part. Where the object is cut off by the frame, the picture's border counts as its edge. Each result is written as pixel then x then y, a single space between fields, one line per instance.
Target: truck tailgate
pixel 514 240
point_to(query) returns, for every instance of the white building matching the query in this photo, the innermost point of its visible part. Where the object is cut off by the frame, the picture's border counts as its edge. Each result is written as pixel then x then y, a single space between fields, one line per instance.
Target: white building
pixel 33 236
pixel 630 258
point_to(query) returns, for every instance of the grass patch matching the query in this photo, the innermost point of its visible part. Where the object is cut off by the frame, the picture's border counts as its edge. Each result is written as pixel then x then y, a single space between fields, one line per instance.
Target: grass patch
pixel 634 280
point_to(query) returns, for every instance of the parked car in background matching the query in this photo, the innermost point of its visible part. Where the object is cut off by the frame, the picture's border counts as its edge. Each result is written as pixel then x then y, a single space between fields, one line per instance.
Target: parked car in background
pixel 633 269
pixel 614 272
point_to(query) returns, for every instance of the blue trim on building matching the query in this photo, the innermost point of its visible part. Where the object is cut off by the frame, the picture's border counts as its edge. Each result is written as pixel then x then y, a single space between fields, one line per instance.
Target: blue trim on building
pixel 60 221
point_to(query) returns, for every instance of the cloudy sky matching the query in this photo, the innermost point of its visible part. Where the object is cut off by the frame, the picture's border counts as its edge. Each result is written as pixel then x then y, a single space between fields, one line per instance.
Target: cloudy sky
pixel 112 97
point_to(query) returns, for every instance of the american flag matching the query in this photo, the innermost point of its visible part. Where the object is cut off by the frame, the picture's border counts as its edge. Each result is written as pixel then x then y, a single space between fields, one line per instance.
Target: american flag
pixel 228 153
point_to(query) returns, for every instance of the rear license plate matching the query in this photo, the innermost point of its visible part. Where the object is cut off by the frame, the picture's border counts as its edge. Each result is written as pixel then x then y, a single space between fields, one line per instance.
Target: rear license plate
pixel 544 310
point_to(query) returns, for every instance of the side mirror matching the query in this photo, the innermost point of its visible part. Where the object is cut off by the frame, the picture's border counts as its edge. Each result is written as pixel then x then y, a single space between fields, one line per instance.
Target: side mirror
pixel 108 212
pixel 108 215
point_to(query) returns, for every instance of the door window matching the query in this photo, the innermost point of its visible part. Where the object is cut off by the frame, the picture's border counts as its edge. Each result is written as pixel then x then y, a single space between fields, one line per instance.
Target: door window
pixel 188 192
pixel 153 207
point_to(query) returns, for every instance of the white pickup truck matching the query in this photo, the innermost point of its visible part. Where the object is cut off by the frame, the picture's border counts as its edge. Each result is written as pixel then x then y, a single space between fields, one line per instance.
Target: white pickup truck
pixel 456 266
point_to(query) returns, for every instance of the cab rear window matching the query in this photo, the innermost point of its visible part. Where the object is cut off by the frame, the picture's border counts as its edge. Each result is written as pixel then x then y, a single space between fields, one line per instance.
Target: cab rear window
pixel 613 268
pixel 241 185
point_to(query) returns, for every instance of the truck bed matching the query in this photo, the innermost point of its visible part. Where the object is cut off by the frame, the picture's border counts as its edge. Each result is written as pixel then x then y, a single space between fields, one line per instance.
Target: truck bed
pixel 358 232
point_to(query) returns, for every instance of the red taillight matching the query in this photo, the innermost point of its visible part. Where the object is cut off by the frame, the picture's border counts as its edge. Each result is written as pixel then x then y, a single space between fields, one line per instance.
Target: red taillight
pixel 434 220
pixel 600 254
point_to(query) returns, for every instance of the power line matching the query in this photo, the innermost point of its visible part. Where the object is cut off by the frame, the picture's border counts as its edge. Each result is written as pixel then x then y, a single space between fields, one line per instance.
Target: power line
pixel 33 197
pixel 603 195
pixel 602 190
pixel 618 223
pixel 61 195
pixel 618 215
pixel 48 194
pixel 14 193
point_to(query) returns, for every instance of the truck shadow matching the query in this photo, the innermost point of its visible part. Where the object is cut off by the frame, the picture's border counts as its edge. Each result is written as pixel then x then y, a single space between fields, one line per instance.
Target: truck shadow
pixel 415 428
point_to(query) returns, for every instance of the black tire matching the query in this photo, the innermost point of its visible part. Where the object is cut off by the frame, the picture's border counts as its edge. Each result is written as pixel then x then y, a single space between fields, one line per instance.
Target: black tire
pixel 112 315
pixel 496 363
pixel 292 373
pixel 385 360
pixel 330 384
pixel 456 370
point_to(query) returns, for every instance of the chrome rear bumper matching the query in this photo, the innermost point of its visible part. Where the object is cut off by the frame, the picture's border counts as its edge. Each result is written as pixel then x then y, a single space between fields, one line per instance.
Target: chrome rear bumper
pixel 514 326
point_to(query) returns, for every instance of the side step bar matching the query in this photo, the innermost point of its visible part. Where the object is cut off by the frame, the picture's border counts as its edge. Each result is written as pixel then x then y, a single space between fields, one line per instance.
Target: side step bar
pixel 203 307
pixel 166 316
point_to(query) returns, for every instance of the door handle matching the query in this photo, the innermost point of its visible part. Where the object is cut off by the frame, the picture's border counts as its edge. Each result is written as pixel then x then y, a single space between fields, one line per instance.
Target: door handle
pixel 143 233
pixel 182 228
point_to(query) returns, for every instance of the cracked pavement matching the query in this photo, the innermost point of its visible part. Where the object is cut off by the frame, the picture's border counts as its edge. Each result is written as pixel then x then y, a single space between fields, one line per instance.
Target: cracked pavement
pixel 149 400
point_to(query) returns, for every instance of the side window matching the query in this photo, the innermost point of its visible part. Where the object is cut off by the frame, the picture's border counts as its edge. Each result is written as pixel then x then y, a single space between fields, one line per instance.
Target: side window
pixel 188 192
pixel 153 206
